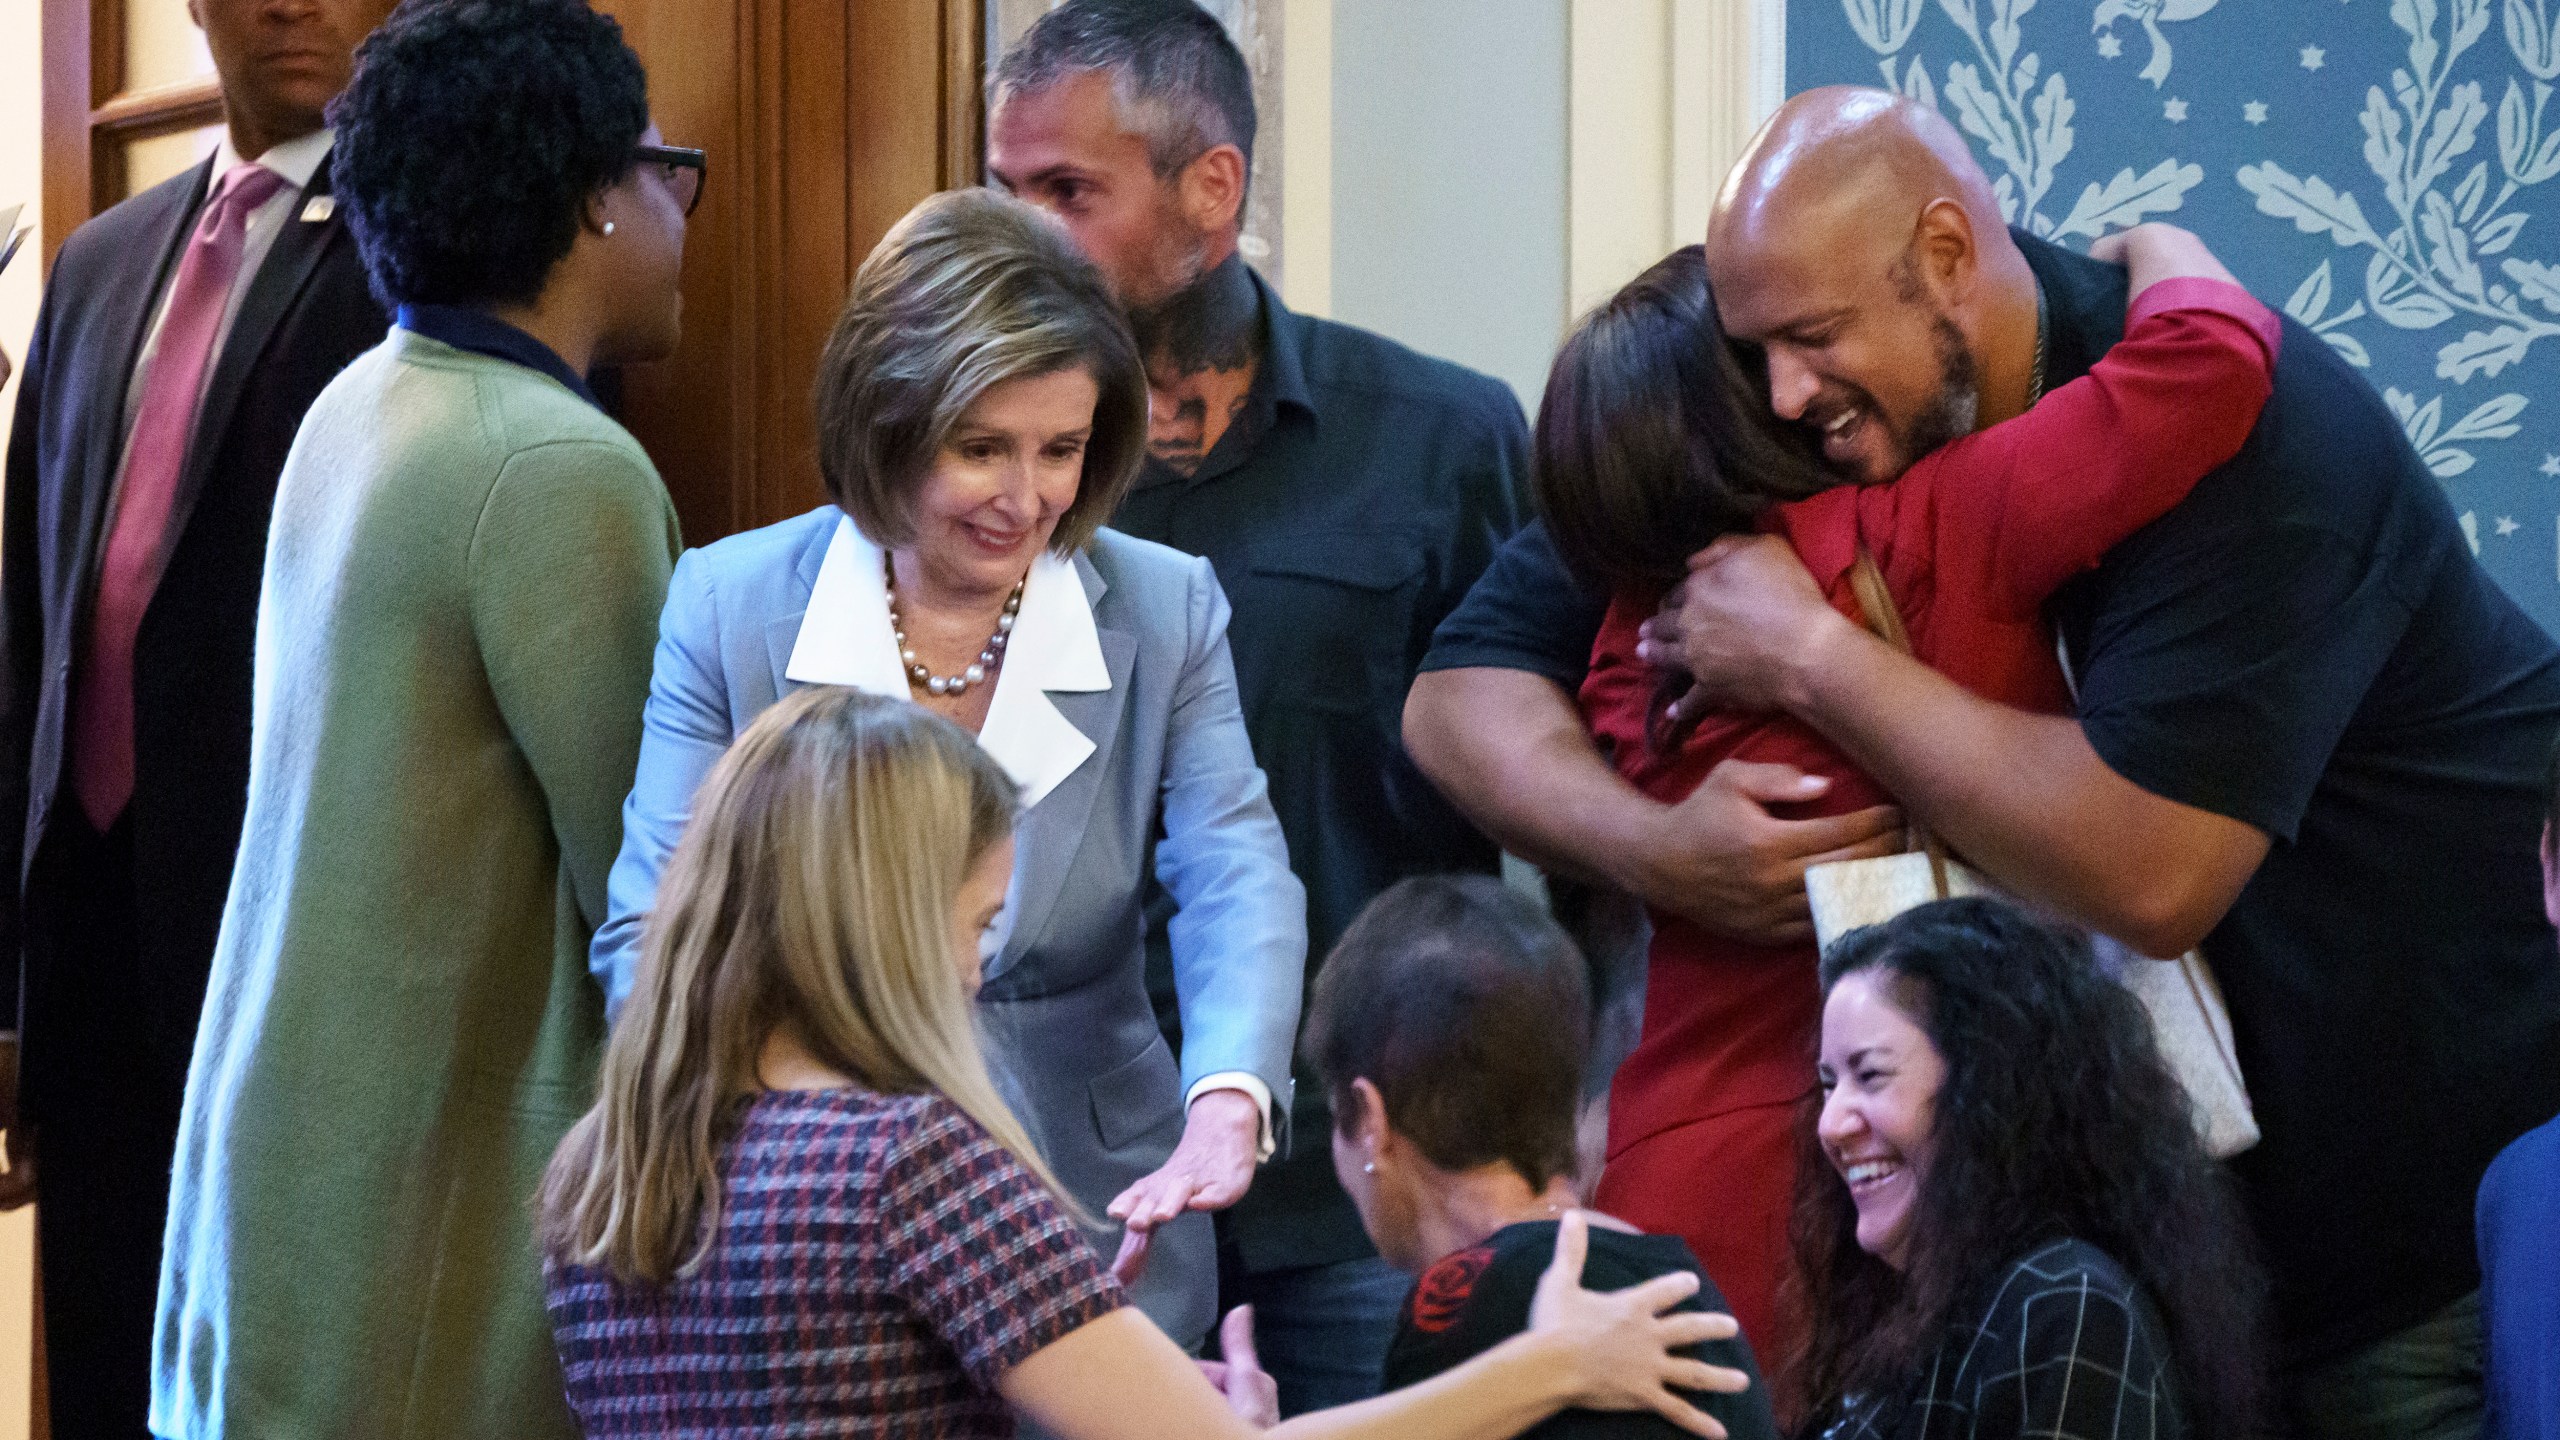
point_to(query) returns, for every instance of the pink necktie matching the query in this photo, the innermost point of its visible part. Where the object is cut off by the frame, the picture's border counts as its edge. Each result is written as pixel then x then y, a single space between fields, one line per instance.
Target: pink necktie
pixel 155 456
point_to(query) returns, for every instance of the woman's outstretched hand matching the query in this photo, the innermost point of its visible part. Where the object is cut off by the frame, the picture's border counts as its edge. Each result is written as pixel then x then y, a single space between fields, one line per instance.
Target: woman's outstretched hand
pixel 1620 1343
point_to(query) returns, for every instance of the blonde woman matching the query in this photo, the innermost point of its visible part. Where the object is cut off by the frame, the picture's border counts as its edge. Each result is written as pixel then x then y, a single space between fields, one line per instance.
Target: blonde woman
pixel 800 1204
pixel 981 410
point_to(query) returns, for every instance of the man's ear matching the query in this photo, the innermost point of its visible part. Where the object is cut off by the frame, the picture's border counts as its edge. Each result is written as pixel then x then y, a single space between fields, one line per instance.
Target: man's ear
pixel 1212 188
pixel 1950 259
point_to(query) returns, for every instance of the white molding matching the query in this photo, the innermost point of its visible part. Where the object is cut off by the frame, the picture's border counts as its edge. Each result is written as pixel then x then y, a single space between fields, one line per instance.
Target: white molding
pixel 1306 156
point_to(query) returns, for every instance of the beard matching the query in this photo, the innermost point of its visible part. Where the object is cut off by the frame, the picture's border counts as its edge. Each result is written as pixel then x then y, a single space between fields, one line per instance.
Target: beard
pixel 1949 414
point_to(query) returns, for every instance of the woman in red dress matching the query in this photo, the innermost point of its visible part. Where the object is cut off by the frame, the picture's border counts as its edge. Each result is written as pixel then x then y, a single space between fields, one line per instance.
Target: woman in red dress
pixel 1650 443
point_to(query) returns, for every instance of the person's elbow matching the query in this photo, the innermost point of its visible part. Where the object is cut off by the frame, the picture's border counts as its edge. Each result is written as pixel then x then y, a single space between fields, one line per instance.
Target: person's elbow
pixel 1431 718
pixel 2181 889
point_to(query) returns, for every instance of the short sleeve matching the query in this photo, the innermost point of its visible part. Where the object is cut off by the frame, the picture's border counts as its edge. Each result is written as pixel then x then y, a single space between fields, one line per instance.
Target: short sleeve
pixel 2226 662
pixel 2088 1366
pixel 1526 612
pixel 981 1250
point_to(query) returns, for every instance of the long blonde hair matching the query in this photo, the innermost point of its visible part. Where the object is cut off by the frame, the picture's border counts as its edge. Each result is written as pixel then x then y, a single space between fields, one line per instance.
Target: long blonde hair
pixel 813 888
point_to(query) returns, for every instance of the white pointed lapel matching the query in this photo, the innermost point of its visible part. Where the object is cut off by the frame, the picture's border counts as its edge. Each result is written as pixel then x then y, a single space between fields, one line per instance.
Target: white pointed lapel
pixel 844 639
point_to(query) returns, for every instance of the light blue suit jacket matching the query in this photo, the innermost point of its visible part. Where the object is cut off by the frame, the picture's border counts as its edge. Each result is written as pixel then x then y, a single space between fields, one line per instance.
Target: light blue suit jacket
pixel 1070 1032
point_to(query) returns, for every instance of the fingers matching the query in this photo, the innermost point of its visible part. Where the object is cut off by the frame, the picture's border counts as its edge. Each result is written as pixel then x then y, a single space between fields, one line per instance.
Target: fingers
pixel 1688 1374
pixel 1131 1262
pixel 1213 1371
pixel 1154 1200
pixel 1768 783
pixel 1235 1338
pixel 1573 1242
pixel 1892 842
pixel 1841 832
pixel 1220 1193
pixel 1685 1415
pixel 1657 1294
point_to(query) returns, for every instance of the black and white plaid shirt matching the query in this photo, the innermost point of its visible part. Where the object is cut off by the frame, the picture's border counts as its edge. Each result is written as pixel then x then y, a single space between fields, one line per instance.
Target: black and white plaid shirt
pixel 2065 1349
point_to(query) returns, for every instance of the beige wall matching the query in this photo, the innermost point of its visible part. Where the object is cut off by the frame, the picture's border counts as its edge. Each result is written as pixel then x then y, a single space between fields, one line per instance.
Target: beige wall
pixel 20 143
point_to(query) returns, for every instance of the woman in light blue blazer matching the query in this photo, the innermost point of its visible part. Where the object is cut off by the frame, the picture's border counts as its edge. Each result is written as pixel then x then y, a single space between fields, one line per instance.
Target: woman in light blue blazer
pixel 981 409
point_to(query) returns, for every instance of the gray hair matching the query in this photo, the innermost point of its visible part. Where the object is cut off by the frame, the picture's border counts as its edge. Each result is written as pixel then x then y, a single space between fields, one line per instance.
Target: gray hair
pixel 1179 81
pixel 972 289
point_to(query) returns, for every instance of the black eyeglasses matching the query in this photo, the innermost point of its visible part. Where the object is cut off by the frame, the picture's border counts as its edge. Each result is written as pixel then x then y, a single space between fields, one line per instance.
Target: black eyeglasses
pixel 683 168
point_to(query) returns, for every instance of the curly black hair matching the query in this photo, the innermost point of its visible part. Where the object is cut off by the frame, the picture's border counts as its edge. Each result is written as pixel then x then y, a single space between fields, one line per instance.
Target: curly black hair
pixel 2057 1117
pixel 472 137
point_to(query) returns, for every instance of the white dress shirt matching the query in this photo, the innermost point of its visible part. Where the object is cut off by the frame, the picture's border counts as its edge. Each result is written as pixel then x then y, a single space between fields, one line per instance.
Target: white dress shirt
pixel 297 161
pixel 845 639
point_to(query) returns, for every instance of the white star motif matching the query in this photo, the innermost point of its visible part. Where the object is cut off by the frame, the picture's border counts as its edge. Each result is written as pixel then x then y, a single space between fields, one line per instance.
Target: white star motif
pixel 2176 110
pixel 2551 465
pixel 2507 525
pixel 2312 56
pixel 2109 47
pixel 2255 112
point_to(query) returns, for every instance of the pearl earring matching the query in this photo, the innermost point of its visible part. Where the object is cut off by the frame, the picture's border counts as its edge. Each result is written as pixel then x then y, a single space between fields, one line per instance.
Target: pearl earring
pixel 1371 1168
pixel 608 227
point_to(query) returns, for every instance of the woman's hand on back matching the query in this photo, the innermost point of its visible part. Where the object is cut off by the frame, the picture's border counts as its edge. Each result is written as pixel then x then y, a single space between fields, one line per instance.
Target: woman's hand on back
pixel 1620 1343
pixel 2153 252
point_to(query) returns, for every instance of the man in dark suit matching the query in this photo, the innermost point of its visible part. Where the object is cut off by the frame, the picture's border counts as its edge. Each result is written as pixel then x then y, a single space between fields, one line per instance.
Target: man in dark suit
pixel 184 333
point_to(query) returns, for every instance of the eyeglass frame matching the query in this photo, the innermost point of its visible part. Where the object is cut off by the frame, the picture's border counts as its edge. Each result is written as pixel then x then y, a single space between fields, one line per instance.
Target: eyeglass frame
pixel 683 157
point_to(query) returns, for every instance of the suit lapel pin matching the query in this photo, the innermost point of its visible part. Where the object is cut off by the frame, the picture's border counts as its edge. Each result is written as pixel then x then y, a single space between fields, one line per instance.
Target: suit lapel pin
pixel 319 208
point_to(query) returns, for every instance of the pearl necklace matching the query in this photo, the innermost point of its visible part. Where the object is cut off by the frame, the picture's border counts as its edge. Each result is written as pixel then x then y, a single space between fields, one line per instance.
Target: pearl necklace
pixel 920 678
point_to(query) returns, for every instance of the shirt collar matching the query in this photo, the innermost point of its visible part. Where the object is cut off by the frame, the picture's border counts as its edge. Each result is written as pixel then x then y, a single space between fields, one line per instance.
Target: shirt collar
pixel 297 159
pixel 484 334
pixel 845 640
pixel 1281 361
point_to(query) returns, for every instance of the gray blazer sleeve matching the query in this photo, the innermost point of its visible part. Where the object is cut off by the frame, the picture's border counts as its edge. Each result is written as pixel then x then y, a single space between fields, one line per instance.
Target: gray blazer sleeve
pixel 1239 930
pixel 683 732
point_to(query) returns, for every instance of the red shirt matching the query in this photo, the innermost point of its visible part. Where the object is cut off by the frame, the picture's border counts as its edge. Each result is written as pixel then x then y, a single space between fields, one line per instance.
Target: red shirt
pixel 1972 539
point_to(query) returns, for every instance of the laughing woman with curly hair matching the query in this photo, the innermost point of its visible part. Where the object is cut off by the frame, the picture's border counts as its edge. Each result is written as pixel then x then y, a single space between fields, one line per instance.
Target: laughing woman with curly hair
pixel 2005 1224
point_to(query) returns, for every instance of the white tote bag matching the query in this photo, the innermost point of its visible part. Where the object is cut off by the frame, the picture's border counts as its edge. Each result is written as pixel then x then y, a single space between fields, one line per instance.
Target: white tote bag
pixel 2185 1004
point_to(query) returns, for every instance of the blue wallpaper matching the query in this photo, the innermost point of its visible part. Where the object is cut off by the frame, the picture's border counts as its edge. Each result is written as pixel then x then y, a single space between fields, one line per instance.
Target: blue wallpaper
pixel 2383 167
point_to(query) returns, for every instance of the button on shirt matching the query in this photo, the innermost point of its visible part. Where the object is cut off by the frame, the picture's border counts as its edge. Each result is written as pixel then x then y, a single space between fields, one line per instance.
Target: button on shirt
pixel 1347 508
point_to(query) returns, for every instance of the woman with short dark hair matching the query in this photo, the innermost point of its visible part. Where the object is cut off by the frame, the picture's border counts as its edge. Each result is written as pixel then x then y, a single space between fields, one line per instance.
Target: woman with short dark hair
pixel 2006 1225
pixel 1451 1025
pixel 981 409
pixel 453 647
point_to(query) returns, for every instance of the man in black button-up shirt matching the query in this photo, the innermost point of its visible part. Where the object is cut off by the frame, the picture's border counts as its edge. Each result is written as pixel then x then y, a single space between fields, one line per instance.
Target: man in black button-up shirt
pixel 1348 492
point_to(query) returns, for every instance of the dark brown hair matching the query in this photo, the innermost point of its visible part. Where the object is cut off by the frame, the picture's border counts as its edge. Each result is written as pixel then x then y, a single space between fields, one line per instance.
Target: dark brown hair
pixel 1470 1010
pixel 2058 1117
pixel 1654 435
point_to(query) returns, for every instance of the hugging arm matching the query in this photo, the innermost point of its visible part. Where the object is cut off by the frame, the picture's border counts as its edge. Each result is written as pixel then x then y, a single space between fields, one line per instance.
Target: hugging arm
pixel 1494 725
pixel 1600 1351
pixel 2025 505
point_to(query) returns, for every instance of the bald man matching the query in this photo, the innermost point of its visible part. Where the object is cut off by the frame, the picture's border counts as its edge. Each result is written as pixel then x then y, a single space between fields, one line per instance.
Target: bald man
pixel 2309 735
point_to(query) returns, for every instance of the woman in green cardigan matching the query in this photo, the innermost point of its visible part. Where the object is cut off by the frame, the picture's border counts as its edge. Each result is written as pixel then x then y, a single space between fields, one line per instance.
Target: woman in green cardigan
pixel 461 598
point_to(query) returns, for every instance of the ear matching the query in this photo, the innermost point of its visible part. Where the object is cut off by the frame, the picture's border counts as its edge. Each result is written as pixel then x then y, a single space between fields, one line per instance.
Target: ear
pixel 1366 1125
pixel 1950 258
pixel 600 207
pixel 1212 187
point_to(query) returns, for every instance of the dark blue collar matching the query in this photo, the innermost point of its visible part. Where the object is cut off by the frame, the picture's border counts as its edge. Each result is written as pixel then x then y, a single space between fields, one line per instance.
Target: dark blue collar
pixel 485 334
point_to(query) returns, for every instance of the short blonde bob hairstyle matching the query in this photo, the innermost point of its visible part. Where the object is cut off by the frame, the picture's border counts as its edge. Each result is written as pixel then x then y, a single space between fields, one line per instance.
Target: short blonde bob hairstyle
pixel 813 890
pixel 972 289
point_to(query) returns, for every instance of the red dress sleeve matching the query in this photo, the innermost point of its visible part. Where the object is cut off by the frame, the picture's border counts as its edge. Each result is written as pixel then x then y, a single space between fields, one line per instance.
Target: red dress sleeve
pixel 2011 512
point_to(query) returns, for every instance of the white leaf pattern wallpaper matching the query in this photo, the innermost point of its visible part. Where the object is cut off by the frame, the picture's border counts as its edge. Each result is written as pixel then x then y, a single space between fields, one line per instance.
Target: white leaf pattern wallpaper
pixel 2383 168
